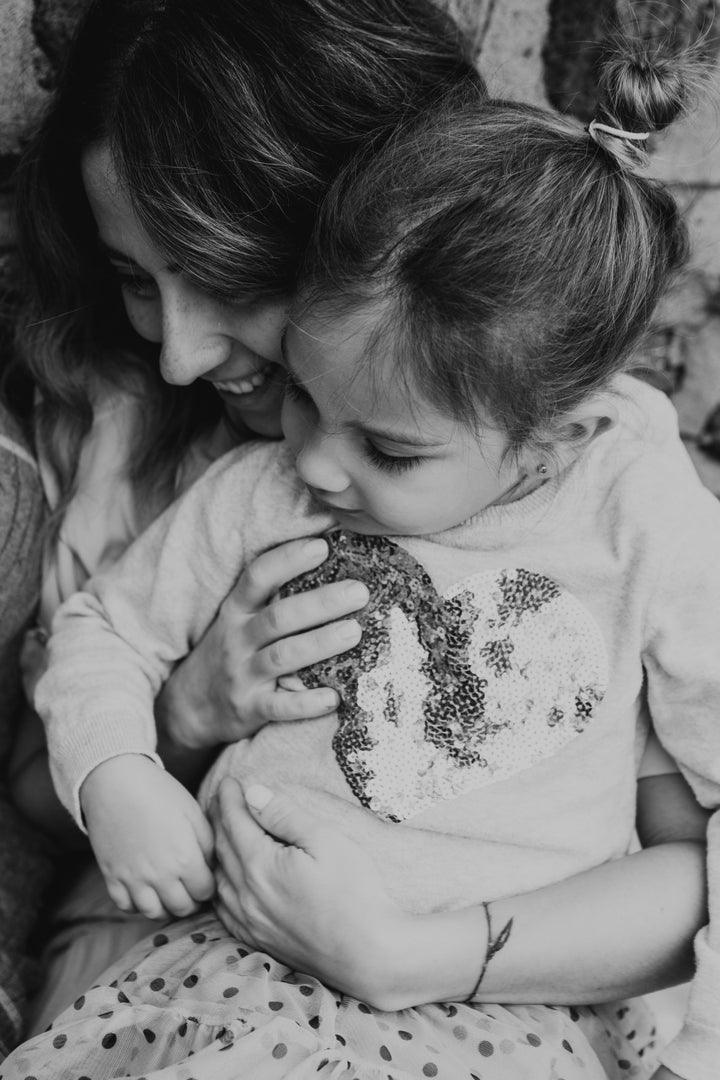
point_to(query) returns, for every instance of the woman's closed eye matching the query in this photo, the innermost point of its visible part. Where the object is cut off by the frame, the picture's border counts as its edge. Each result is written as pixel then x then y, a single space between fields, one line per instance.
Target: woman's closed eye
pixel 143 288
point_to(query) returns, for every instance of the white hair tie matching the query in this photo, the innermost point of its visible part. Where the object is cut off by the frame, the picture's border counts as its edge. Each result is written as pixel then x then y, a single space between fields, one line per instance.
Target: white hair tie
pixel 636 136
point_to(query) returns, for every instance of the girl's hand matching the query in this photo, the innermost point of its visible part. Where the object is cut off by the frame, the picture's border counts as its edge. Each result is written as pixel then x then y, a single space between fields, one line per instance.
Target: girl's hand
pixel 228 687
pixel 293 886
pixel 150 837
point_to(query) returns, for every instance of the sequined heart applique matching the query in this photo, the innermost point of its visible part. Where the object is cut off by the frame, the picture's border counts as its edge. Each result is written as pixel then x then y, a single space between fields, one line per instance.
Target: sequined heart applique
pixel 445 694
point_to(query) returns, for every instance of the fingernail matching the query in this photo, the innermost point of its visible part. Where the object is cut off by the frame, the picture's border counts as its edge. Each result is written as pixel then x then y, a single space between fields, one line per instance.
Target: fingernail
pixel 258 796
pixel 348 630
pixel 357 592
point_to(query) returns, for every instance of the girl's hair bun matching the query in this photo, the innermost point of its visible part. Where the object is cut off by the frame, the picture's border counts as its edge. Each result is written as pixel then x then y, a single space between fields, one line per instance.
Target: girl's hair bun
pixel 646 81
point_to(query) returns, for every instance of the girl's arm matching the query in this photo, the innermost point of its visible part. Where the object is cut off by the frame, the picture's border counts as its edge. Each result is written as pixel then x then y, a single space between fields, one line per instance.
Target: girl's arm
pixel 316 902
pixel 228 687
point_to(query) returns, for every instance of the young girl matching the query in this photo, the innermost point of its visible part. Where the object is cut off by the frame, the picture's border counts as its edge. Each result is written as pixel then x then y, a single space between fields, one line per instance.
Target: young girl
pixel 100 324
pixel 455 403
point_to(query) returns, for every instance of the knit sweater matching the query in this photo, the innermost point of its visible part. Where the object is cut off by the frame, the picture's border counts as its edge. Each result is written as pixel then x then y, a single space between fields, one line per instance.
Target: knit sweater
pixel 562 615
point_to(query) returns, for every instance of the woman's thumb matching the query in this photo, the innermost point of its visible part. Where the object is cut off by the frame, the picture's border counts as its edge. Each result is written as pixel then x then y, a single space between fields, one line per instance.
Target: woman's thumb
pixel 282 817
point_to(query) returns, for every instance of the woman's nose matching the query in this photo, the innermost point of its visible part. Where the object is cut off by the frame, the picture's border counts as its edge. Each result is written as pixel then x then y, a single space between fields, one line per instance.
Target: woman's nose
pixel 193 339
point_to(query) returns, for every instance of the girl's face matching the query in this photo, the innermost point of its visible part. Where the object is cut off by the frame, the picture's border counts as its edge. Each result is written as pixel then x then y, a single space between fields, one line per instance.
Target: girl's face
pixel 233 346
pixel 383 460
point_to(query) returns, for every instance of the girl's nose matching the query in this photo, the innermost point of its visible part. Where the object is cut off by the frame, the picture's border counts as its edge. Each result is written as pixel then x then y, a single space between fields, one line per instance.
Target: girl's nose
pixel 318 464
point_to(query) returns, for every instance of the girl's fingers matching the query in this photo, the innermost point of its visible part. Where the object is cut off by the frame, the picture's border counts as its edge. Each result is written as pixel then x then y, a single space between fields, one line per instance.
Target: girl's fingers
pixel 273 569
pixel 288 654
pixel 177 899
pixel 148 903
pixel 120 896
pixel 285 705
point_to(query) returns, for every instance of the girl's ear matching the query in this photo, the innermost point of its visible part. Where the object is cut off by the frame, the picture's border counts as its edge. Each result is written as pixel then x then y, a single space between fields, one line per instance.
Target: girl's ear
pixel 574 433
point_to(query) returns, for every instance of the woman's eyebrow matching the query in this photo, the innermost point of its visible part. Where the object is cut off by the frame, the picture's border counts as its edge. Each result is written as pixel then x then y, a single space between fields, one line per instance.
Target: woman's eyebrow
pixel 118 256
pixel 123 257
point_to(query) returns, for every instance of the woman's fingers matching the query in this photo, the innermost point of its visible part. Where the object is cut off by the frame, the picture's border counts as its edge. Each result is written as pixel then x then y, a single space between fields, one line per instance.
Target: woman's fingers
pixel 273 569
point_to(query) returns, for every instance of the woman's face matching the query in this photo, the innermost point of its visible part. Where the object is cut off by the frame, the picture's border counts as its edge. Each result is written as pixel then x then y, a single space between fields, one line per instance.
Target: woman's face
pixel 235 346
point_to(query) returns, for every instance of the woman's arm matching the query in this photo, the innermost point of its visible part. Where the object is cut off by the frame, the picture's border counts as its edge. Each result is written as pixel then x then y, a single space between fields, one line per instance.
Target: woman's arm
pixel 316 902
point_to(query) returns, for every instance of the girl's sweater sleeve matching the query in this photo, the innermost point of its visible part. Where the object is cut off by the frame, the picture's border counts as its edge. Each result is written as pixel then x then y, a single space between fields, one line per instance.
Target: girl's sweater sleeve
pixel 682 664
pixel 115 643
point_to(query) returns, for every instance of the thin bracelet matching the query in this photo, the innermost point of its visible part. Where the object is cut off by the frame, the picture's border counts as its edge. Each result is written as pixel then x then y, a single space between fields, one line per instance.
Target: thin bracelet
pixel 493 946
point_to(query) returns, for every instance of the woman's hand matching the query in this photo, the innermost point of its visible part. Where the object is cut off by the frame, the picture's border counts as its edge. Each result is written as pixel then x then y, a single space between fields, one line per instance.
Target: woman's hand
pixel 228 687
pixel 293 886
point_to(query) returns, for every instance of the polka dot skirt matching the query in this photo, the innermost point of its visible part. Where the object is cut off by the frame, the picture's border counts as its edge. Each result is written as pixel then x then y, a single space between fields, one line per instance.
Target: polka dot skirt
pixel 191 1003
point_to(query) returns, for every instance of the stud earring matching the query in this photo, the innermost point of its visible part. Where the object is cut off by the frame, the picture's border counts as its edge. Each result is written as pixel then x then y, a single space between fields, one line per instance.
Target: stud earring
pixel 542 469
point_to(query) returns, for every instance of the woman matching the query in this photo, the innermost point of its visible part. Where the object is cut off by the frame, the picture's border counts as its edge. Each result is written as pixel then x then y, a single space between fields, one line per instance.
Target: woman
pixel 204 223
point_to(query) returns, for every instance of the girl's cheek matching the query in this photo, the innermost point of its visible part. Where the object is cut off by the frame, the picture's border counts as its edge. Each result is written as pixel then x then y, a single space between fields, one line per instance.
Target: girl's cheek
pixel 145 318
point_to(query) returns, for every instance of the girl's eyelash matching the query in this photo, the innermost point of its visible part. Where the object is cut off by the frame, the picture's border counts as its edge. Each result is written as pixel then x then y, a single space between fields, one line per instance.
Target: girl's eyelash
pixel 387 462
pixel 293 390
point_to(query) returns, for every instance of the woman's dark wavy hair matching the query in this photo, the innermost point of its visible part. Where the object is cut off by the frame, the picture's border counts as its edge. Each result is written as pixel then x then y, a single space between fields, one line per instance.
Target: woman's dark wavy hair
pixel 521 259
pixel 227 120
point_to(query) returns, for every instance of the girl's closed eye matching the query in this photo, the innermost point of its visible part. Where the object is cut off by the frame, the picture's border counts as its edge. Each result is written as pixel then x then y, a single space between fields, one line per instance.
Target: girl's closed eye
pixel 390 462
pixel 294 391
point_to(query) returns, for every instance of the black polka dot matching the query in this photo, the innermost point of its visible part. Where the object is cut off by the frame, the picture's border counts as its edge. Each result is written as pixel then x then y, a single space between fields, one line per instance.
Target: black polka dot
pixel 574 1014
pixel 306 991
pixel 131 976
pixel 452 1010
pixel 266 966
pixel 322 1065
pixel 190 981
pixel 385 1053
pixel 534 1040
pixel 123 998
pixel 486 1048
pixel 364 1008
pixel 157 984
pixel 109 1041
pixel 567 1046
pixel 405 1035
pixel 314 1022
pixel 78 1004
pixel 160 939
pixel 276 1006
pixel 339 1038
pixel 279 1051
pixel 59 1041
pixel 149 1035
pixel 198 938
pixel 230 992
pixel 430 1069
pixel 105 1015
pixel 182 1030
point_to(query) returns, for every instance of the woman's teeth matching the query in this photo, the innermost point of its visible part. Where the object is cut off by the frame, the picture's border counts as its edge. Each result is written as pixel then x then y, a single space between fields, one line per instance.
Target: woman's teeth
pixel 243 386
